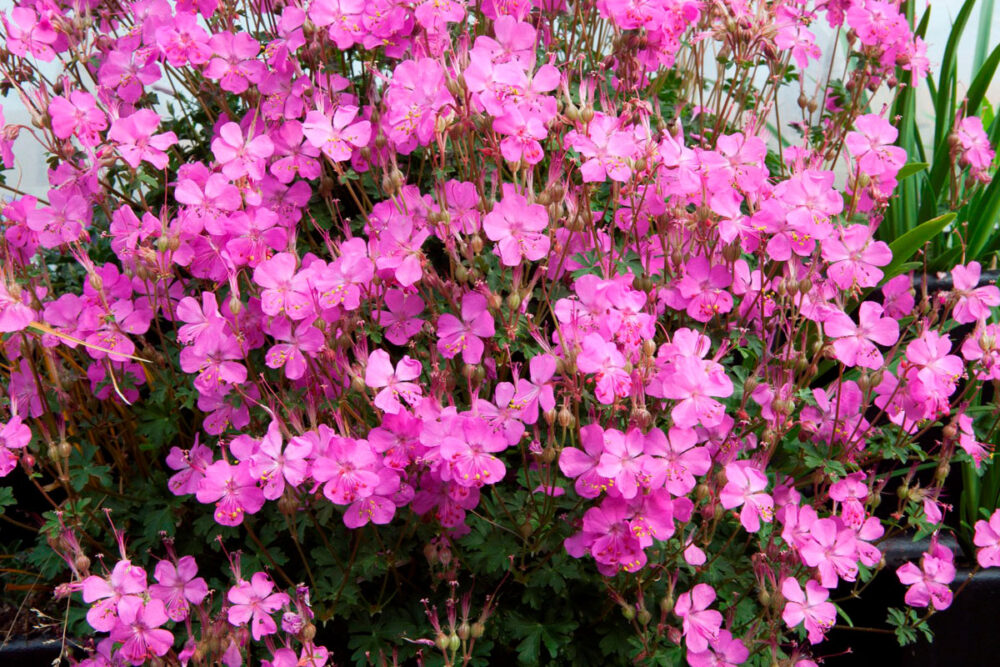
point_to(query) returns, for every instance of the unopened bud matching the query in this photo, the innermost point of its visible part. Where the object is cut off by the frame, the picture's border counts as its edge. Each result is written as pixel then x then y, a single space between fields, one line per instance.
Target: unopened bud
pixel 566 418
pixel 644 616
pixel 628 612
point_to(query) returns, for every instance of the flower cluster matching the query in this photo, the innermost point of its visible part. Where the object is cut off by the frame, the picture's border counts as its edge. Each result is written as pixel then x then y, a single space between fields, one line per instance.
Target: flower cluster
pixel 449 269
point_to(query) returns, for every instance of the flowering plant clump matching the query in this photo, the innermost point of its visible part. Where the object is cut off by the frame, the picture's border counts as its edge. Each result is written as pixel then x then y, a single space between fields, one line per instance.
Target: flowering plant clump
pixel 353 331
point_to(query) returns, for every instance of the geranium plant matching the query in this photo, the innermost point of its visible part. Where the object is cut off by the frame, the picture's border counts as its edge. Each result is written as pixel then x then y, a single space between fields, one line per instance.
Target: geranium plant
pixel 362 331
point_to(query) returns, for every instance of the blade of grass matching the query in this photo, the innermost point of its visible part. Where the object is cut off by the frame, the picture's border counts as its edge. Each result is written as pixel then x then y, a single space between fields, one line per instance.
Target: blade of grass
pixel 983 34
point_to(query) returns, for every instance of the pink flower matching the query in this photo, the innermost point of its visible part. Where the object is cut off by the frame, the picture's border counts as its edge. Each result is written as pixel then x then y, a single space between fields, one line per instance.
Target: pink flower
pixel 929 582
pixel 694 383
pixel 178 586
pixel 831 548
pixel 855 257
pixel 400 320
pixel 855 344
pixel 704 288
pixel 14 314
pixel 726 651
pixel 468 448
pixel 607 148
pixel 271 465
pixel 126 580
pixel 466 335
pixel 518 228
pixel 253 602
pixel 623 461
pixel 745 487
pixel 348 468
pixel 676 460
pixel 987 538
pixel 78 116
pixel 234 65
pixel 396 384
pixel 288 354
pixel 537 392
pixel 603 359
pixel 27 34
pixel 233 490
pixel 341 136
pixel 285 291
pixel 974 146
pixel 810 607
pixel 136 141
pixel 190 464
pixel 582 464
pixel 13 435
pixel 872 146
pixel 701 624
pixel 138 630
pixel 973 302
pixel 241 156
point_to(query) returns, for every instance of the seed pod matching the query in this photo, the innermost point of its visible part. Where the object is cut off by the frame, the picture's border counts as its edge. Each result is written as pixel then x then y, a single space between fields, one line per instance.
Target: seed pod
pixel 309 632
pixel 442 641
pixel 644 616
pixel 464 630
pixel 649 347
pixel 514 301
pixel 454 642
pixel 628 612
pixel 566 418
pixel 65 449
pixel 549 416
pixel 478 629
pixel 82 563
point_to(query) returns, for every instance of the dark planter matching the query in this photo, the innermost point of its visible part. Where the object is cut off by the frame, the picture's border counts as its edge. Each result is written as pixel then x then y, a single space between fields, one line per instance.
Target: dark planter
pixel 29 652
pixel 965 634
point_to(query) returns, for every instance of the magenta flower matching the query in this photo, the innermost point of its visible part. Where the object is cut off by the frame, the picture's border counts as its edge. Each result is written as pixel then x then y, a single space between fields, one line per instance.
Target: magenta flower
pixel 288 354
pixel 694 384
pixel 339 137
pixel 378 508
pixel 676 460
pixel 928 584
pixel 78 116
pixel 395 384
pixel 624 461
pixel 974 147
pixel 726 651
pixel 855 257
pixel 704 288
pixel 13 435
pixel 809 607
pixel 178 586
pixel 253 602
pixel 14 314
pixel 613 543
pixel 285 291
pixel 469 450
pixel 400 320
pixel 241 156
pixel 126 580
pixel 607 149
pixel 234 65
pixel 745 487
pixel 233 490
pixel 138 630
pixel 582 464
pixel 27 34
pixel 872 146
pixel 832 549
pixel 603 359
pixel 537 392
pixel 136 141
pixel 518 228
pixel 215 361
pixel 855 344
pixel 190 464
pixel 973 302
pixel 701 625
pixel 987 538
pixel 271 465
pixel 466 335
pixel 347 467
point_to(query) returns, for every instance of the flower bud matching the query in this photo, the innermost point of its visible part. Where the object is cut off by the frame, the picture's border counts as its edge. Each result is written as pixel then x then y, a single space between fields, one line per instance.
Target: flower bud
pixel 442 641
pixel 587 114
pixel 478 629
pixel 235 306
pixel 649 347
pixel 549 416
pixel 628 612
pixel 65 449
pixel 495 301
pixel 81 563
pixel 514 301
pixel 476 244
pixel 566 418
pixel 464 631
pixel 454 642
pixel 644 616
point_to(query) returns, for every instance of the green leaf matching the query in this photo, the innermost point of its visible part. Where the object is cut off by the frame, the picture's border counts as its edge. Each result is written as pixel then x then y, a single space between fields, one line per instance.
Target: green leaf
pixel 909 243
pixel 911 169
pixel 981 82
